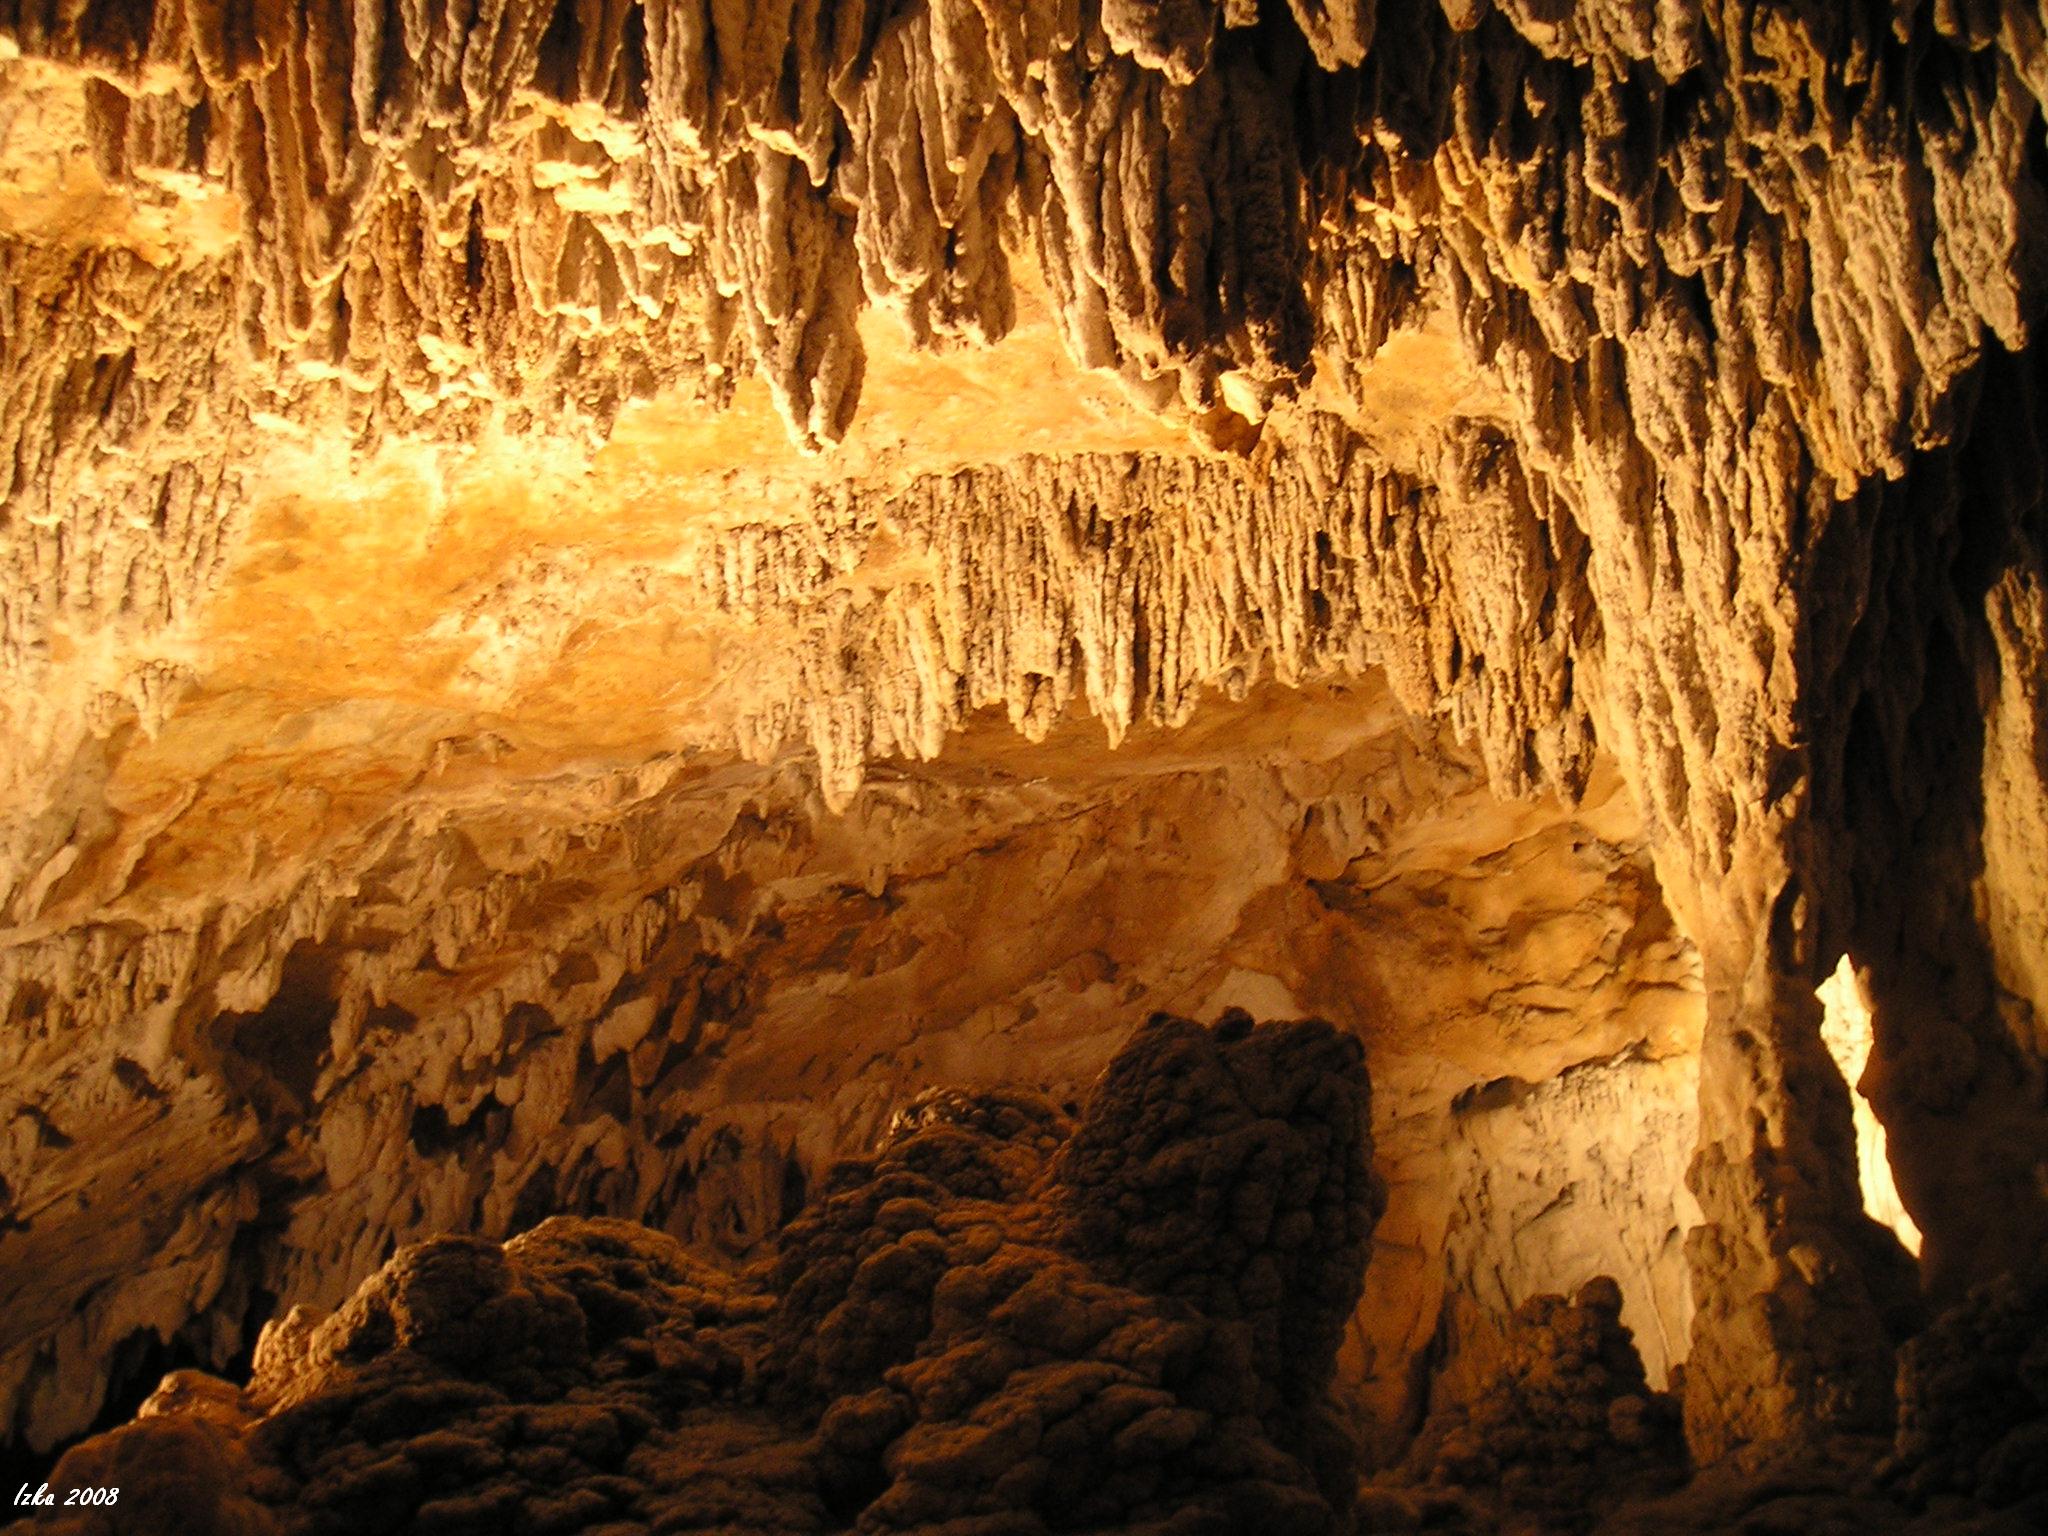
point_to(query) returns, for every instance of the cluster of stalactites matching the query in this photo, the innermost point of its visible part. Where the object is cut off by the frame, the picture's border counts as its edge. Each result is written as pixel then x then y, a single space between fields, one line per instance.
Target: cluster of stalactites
pixel 1138 587
pixel 1723 265
pixel 440 203
pixel 540 210
pixel 446 222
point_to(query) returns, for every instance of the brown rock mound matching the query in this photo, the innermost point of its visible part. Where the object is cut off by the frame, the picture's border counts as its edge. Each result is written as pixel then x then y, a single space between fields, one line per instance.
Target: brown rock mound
pixel 1002 1324
pixel 1566 1421
pixel 1973 1399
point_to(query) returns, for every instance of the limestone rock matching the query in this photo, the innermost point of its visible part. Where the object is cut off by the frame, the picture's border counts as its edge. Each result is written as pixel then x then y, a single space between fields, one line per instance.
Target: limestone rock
pixel 1973 1398
pixel 1564 1418
pixel 936 1346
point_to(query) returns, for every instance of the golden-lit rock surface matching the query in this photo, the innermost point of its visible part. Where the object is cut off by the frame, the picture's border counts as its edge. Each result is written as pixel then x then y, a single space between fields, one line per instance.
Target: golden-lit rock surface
pixel 685 991
pixel 593 595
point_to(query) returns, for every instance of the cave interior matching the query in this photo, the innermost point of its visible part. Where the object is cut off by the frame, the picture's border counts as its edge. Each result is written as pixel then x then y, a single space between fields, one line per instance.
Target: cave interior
pixel 1007 767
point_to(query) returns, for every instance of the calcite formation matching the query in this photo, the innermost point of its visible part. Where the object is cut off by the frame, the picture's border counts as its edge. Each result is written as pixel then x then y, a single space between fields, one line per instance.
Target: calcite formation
pixel 1973 1398
pixel 1565 1421
pixel 696 1059
pixel 1004 1321
pixel 552 558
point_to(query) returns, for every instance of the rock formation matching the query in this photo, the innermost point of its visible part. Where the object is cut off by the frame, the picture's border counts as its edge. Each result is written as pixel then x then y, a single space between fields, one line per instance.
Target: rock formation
pixel 1973 1397
pixel 560 565
pixel 696 1060
pixel 1564 1420
pixel 1002 1321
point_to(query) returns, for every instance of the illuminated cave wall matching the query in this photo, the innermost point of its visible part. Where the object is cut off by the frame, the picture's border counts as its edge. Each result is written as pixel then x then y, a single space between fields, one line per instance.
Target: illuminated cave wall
pixel 683 1006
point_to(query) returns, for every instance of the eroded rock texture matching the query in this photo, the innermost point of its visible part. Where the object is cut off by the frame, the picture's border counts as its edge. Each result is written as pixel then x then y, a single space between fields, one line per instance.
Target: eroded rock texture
pixel 1646 392
pixel 697 1057
pixel 1002 1321
pixel 1563 1422
pixel 1973 1398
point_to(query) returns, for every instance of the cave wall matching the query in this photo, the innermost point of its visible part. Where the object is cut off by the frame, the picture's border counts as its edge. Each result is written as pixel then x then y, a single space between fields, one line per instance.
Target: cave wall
pixel 684 1007
pixel 1738 484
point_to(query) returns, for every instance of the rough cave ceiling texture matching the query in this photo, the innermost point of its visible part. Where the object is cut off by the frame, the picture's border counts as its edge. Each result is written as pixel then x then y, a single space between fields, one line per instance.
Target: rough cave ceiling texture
pixel 523 523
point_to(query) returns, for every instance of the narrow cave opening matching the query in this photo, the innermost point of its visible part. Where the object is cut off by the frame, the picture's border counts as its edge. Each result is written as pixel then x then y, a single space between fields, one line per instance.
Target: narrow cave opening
pixel 1846 1029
